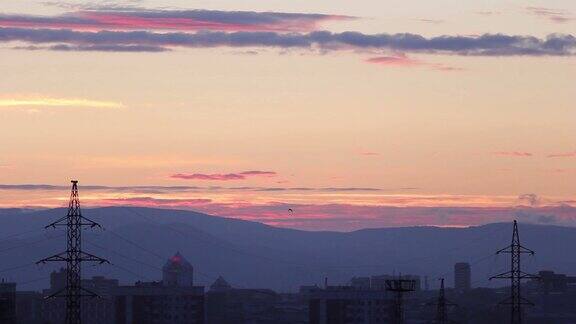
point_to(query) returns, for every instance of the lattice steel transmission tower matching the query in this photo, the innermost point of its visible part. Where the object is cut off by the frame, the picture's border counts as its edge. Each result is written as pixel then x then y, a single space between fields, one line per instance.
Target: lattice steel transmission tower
pixel 515 275
pixel 442 305
pixel 399 287
pixel 73 256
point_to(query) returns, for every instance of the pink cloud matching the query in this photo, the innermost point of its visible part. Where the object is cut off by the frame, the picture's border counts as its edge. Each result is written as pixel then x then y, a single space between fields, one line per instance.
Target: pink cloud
pixel 401 60
pixel 514 153
pixel 563 155
pixel 554 15
pixel 224 177
pixel 185 20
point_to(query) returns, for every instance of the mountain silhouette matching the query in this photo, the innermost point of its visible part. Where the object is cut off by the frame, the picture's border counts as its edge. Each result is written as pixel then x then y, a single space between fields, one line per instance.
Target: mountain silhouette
pixel 138 241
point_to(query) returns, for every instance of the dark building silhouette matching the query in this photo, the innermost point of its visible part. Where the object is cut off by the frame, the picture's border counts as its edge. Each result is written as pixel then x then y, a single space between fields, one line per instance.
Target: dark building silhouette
pixel 220 285
pixel 178 272
pixel 349 305
pixel 7 302
pixel 174 300
pixel 227 305
pixel 550 282
pixel 462 277
pixel 98 310
pixel 360 282
pixel 156 303
pixel 29 307
pixel 379 282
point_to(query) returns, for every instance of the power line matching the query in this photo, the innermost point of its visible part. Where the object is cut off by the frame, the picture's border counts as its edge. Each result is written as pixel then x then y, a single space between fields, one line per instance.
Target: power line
pixel 17 267
pixel 146 250
pixel 30 243
pixel 7 238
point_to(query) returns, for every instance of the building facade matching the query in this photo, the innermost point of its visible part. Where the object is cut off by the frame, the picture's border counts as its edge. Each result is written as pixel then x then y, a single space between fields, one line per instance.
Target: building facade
pixel 7 302
pixel 462 277
pixel 156 303
pixel 348 305
pixel 178 272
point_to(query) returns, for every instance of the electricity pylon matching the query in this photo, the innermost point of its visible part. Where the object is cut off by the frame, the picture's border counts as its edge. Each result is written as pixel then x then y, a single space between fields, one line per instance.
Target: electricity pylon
pixel 442 305
pixel 73 256
pixel 515 275
pixel 399 287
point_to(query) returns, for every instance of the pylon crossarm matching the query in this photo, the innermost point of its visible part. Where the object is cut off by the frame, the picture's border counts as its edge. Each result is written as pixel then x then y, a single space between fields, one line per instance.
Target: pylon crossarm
pixel 526 250
pixel 524 301
pixel 507 301
pixel 62 293
pixel 84 256
pixel 57 257
pixel 59 293
pixel 504 275
pixel 61 222
pixel 88 293
pixel 88 222
pixel 524 275
pixel 504 250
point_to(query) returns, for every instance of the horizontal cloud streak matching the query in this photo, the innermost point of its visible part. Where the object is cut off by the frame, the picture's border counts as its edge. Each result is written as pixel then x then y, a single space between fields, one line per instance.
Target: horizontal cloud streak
pixel 563 155
pixel 514 154
pixel 405 61
pixel 223 177
pixel 485 45
pixel 186 20
pixel 401 60
pixel 56 102
pixel 313 208
pixel 346 217
pixel 155 202
pixel 171 189
pixel 554 15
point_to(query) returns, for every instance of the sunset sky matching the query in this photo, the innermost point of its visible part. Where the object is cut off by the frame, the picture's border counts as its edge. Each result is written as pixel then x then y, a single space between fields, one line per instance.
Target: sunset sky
pixel 351 113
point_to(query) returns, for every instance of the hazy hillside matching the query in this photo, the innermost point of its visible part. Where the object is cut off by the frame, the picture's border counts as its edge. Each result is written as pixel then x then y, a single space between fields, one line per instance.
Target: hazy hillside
pixel 248 254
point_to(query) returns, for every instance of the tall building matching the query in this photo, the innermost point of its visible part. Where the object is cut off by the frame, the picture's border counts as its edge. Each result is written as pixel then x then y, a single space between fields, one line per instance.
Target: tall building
pixel 462 276
pixel 178 272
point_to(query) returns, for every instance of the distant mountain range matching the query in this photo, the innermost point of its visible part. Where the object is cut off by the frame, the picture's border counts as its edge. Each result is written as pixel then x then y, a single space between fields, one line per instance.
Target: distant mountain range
pixel 138 241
